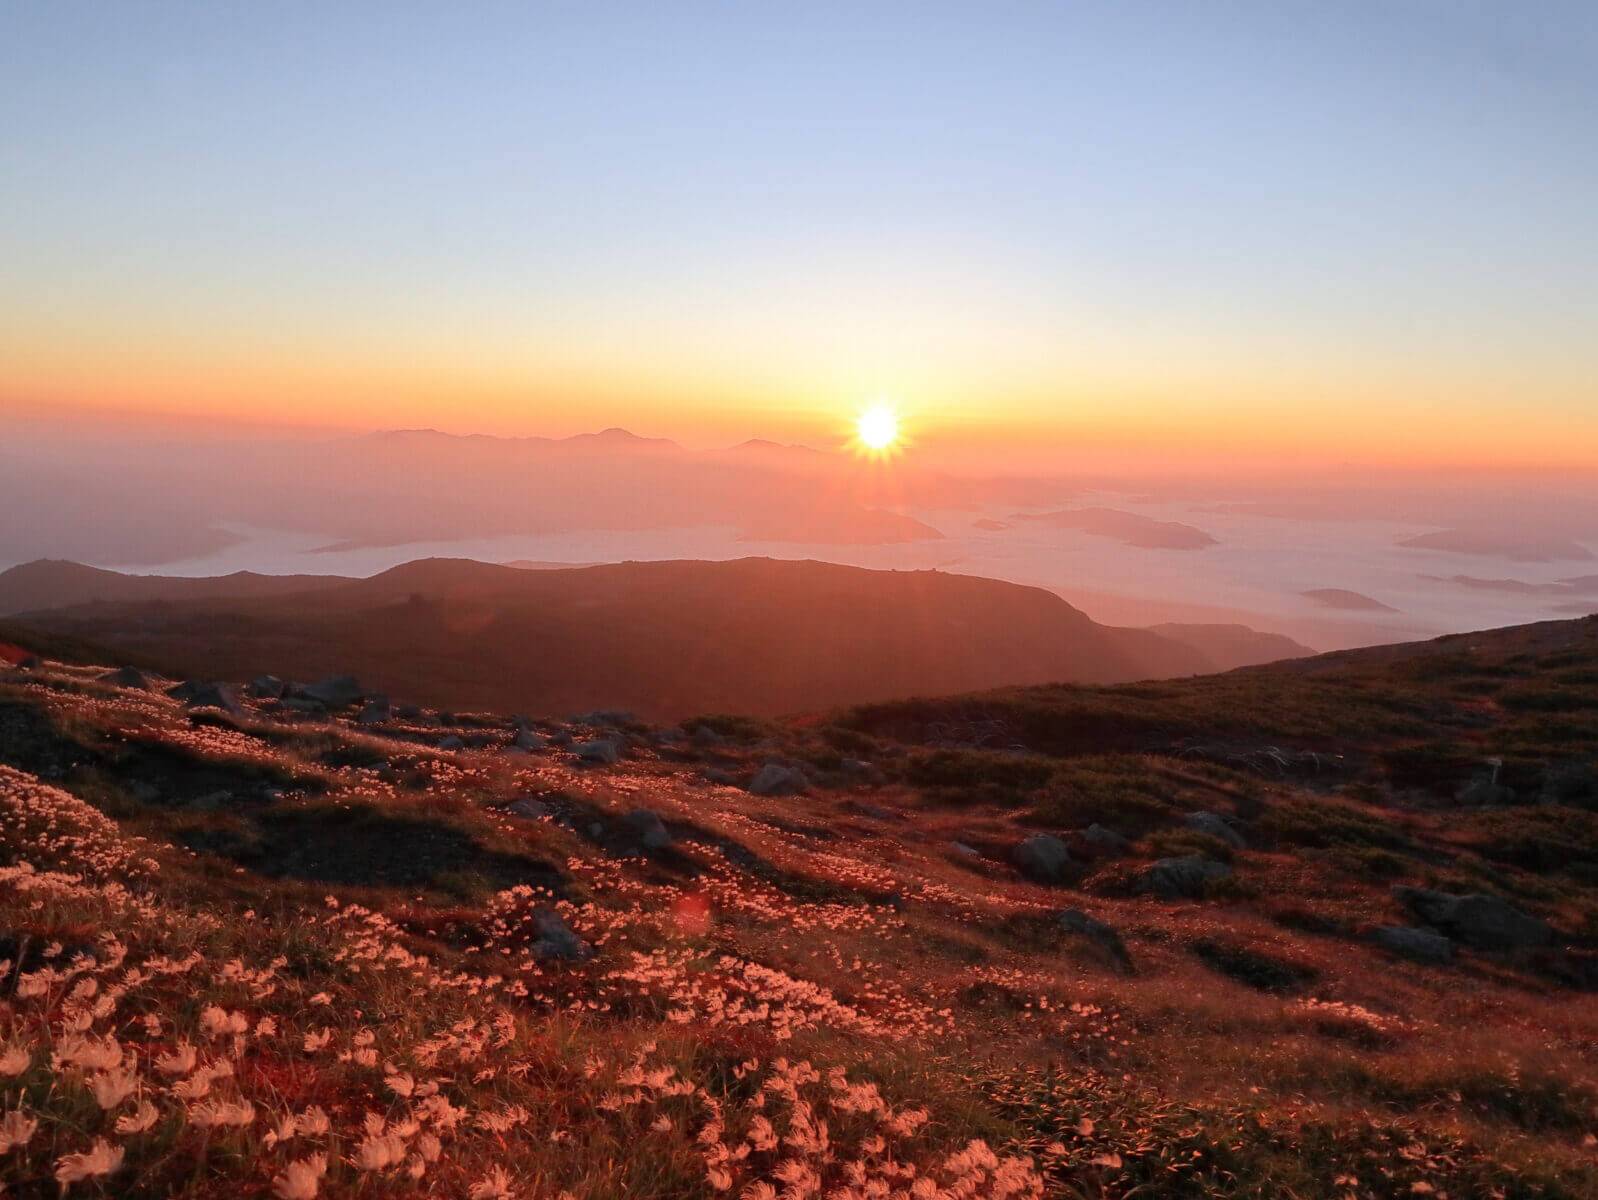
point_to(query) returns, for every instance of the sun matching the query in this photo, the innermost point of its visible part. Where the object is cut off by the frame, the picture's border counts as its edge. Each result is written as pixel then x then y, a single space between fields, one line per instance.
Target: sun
pixel 878 428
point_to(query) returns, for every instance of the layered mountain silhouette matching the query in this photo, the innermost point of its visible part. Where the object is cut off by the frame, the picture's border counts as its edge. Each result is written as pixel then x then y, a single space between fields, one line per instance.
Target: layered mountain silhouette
pixel 664 639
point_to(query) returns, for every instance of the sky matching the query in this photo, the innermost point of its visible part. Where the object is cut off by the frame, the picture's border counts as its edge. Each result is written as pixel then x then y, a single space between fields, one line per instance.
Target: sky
pixel 1257 232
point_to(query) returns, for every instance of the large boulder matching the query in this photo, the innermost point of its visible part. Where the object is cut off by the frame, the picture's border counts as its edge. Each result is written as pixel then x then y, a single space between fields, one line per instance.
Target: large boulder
pixel 128 677
pixel 1076 922
pixel 1480 921
pixel 528 806
pixel 1185 878
pixel 1042 857
pixel 336 691
pixel 1406 941
pixel 375 712
pixel 555 938
pixel 214 695
pixel 267 687
pixel 774 779
pixel 1215 826
pixel 529 739
pixel 1102 842
pixel 647 829
pixel 599 750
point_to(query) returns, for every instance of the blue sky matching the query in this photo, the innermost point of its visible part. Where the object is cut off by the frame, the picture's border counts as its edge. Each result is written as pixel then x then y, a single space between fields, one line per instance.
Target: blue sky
pixel 1042 209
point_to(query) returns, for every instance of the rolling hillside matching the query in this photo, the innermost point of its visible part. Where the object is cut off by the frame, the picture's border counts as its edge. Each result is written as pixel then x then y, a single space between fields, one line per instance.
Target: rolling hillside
pixel 666 639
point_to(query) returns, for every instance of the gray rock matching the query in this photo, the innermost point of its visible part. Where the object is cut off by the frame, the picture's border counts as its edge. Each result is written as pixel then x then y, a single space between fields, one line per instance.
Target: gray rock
pixel 212 801
pixel 527 806
pixel 856 766
pixel 1042 857
pixel 1422 945
pixel 1075 921
pixel 603 718
pixel 647 829
pixel 964 850
pixel 599 750
pixel 184 690
pixel 30 662
pixel 1183 878
pixel 704 735
pixel 302 704
pixel 556 939
pixel 1484 793
pixel 1104 841
pixel 374 713
pixel 717 775
pixel 215 695
pixel 1480 921
pixel 527 739
pixel 128 677
pixel 1216 826
pixel 337 691
pixel 774 779
pixel 451 743
pixel 267 687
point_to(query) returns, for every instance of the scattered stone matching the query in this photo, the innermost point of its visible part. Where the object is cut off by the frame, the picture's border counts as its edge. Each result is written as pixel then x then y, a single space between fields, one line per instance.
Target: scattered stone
pixel 1104 842
pixel 1075 921
pixel 127 677
pixel 774 779
pixel 215 695
pixel 603 718
pixel 1484 793
pixel 1042 857
pixel 267 687
pixel 376 712
pixel 647 828
pixel 556 938
pixel 1480 921
pixel 1215 826
pixel 877 812
pixel 599 750
pixel 527 806
pixel 1183 878
pixel 337 691
pixel 1406 941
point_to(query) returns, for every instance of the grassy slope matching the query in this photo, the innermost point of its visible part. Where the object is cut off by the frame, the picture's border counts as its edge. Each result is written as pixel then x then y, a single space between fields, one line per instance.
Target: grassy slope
pixel 1262 1046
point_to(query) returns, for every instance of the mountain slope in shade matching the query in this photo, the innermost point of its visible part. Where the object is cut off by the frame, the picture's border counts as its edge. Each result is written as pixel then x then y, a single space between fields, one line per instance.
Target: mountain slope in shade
pixel 54 583
pixel 665 639
pixel 1231 646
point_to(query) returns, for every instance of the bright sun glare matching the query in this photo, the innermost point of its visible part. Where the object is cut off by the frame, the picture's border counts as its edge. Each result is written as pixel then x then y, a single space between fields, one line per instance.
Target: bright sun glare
pixel 878 427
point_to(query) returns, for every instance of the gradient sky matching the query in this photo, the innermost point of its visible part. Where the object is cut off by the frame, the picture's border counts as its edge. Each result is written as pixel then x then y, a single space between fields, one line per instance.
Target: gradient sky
pixel 1353 230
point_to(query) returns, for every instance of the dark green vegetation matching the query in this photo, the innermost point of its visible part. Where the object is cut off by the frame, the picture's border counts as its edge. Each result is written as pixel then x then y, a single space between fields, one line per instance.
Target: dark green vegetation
pixel 1133 1031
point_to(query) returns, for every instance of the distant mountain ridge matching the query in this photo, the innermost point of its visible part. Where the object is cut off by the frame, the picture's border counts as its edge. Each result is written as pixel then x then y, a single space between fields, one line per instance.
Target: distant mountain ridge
pixel 666 639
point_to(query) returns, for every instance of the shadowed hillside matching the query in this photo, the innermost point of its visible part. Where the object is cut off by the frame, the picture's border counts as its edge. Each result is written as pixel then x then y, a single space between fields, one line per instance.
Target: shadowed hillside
pixel 1240 936
pixel 666 639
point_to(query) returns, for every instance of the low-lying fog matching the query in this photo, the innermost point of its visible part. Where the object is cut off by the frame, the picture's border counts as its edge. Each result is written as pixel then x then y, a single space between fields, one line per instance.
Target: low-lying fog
pixel 1324 563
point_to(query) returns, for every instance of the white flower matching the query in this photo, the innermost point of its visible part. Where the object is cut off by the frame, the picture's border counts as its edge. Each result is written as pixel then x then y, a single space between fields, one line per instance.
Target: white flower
pixel 143 1117
pixel 100 1159
pixel 16 1128
pixel 495 1186
pixel 300 1179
